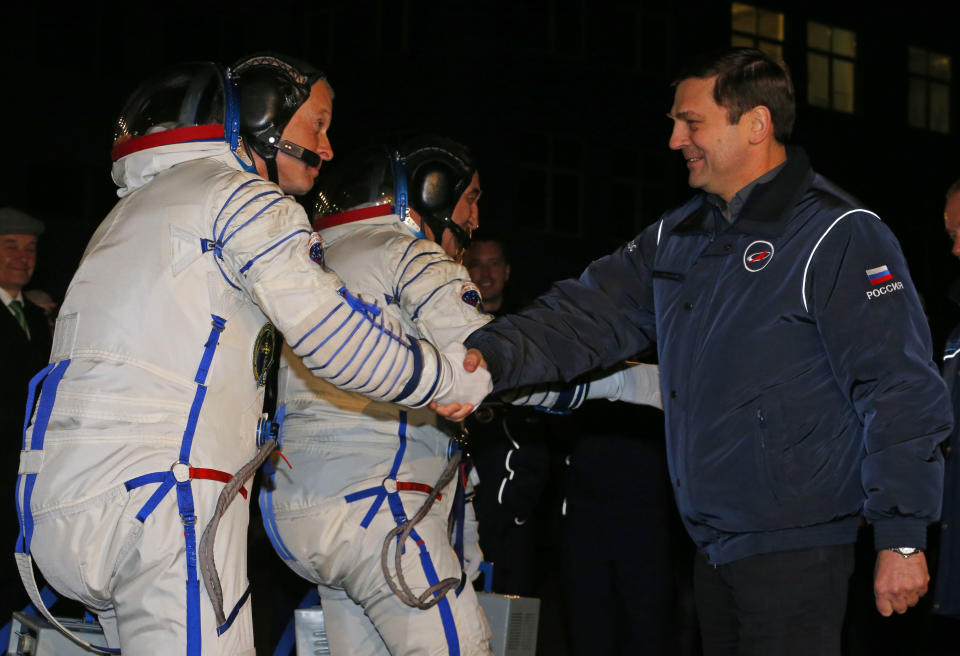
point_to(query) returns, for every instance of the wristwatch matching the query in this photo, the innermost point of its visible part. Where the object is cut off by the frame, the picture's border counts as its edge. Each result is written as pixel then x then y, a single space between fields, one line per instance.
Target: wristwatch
pixel 906 552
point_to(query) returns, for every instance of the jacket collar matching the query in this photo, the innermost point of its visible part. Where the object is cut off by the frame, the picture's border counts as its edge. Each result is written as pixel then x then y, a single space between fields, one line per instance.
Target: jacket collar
pixel 767 209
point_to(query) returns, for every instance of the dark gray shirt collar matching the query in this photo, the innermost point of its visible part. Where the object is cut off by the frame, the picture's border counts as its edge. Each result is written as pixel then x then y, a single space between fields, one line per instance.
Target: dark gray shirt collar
pixel 732 209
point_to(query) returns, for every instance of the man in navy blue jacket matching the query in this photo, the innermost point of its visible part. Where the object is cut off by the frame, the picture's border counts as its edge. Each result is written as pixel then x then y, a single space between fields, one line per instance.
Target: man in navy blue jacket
pixel 796 370
pixel 946 593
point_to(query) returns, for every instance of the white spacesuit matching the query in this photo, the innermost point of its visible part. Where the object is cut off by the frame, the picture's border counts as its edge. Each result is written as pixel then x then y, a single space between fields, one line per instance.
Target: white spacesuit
pixel 361 468
pixel 155 387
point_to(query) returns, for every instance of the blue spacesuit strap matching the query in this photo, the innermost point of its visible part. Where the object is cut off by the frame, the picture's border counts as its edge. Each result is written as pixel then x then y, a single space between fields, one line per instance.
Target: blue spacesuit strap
pixel 233 613
pixel 189 518
pixel 31 395
pixel 270 520
pixel 209 349
pixel 166 481
pixel 379 491
pixel 185 503
pixel 400 517
pixel 48 379
pixel 402 447
pixel 446 613
pixel 48 394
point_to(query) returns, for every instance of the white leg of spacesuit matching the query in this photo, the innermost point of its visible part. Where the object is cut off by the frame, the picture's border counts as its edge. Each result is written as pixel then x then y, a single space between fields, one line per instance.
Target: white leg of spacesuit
pixel 108 622
pixel 332 548
pixel 349 631
pixel 133 574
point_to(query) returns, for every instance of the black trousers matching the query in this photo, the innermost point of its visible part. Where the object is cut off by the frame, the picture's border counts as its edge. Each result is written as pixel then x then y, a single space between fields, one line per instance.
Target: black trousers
pixel 788 603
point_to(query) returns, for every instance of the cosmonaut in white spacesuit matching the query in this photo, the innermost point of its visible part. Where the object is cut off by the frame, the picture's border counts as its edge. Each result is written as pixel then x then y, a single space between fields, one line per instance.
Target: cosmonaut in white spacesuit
pixel 361 469
pixel 154 392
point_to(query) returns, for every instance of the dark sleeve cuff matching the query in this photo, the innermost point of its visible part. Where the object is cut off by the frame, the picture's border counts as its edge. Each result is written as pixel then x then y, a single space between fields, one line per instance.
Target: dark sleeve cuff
pixel 477 340
pixel 900 532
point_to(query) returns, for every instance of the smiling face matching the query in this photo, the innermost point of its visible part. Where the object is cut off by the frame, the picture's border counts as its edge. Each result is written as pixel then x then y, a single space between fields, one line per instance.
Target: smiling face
pixel 489 271
pixel 717 152
pixel 18 257
pixel 307 128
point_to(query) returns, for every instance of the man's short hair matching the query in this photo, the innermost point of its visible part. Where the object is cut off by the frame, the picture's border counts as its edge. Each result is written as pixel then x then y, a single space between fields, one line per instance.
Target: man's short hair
pixel 953 189
pixel 746 78
pixel 492 238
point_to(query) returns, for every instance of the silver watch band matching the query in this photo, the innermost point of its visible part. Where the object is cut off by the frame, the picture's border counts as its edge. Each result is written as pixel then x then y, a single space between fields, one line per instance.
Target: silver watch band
pixel 906 552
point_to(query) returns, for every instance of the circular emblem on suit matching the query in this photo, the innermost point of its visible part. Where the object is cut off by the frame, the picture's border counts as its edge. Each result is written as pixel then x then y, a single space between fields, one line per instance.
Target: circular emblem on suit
pixel 470 294
pixel 757 255
pixel 315 243
pixel 265 352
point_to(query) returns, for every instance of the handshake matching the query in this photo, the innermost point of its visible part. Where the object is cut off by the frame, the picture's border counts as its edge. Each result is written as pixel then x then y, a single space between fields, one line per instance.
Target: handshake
pixel 464 382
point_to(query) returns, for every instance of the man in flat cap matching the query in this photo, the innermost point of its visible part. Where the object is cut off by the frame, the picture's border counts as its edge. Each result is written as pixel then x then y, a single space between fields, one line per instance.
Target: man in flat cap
pixel 25 344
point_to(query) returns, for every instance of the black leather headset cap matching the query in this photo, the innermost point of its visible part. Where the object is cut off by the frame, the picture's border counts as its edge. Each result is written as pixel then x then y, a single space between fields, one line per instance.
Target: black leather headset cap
pixel 271 88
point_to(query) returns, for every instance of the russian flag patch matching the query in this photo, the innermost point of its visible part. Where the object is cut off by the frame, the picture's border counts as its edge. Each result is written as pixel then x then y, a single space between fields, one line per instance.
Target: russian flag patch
pixel 879 275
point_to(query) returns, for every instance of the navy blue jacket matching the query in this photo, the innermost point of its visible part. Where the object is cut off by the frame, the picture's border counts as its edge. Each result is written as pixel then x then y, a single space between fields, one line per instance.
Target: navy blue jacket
pixel 946 589
pixel 795 361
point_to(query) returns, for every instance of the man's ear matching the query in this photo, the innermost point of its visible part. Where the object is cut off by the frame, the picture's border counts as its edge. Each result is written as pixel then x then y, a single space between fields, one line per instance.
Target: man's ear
pixel 506 273
pixel 759 124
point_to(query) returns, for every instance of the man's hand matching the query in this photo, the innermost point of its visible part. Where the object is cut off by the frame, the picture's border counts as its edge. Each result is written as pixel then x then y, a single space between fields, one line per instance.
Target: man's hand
pixel 473 360
pixel 459 389
pixel 459 411
pixel 452 411
pixel 899 582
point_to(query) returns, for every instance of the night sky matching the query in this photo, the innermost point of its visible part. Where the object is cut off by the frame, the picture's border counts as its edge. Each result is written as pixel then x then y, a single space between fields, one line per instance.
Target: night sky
pixel 563 103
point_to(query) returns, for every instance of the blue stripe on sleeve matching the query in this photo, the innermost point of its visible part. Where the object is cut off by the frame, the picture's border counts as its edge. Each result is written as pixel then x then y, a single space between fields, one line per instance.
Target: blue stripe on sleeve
pixel 339 307
pixel 370 352
pixel 396 293
pixel 397 290
pixel 242 207
pixel 328 338
pixel 416 313
pixel 253 218
pixel 230 200
pixel 357 350
pixel 421 272
pixel 247 266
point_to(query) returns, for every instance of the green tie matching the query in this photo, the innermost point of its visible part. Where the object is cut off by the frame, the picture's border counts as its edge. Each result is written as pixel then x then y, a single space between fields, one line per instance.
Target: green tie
pixel 17 310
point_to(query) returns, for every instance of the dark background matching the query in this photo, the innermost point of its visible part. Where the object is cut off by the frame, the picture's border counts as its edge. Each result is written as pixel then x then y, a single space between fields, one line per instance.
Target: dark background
pixel 563 102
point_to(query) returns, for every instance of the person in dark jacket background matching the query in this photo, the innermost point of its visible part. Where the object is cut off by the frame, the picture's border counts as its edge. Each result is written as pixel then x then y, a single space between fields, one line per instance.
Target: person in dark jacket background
pixel 946 596
pixel 509 448
pixel 798 386
pixel 25 336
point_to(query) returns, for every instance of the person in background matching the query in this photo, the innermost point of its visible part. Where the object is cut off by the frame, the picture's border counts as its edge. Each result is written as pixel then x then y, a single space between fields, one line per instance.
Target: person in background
pixel 25 339
pixel 946 590
pixel 509 450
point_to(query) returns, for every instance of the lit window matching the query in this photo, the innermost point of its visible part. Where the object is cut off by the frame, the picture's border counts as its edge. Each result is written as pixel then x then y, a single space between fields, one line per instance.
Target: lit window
pixel 831 60
pixel 928 104
pixel 753 27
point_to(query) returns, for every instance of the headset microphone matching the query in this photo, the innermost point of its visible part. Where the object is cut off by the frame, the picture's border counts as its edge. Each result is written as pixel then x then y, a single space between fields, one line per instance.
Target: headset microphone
pixel 305 155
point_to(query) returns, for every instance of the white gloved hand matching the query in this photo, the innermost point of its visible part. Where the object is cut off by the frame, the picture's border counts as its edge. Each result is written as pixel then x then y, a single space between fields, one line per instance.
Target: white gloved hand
pixel 639 384
pixel 456 384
